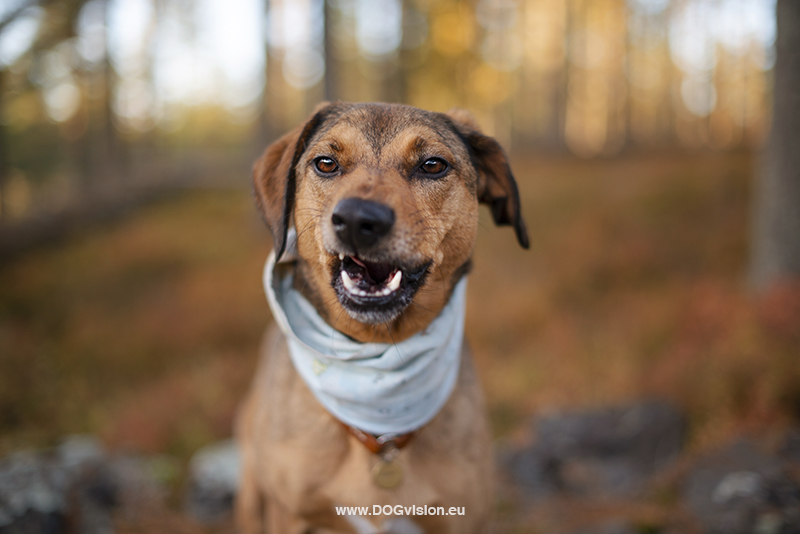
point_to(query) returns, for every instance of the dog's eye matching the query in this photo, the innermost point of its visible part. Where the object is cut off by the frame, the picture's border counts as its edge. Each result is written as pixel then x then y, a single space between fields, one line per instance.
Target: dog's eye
pixel 326 165
pixel 433 166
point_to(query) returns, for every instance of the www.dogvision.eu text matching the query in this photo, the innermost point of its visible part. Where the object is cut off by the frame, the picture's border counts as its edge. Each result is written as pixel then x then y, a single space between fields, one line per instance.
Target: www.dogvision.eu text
pixel 399 509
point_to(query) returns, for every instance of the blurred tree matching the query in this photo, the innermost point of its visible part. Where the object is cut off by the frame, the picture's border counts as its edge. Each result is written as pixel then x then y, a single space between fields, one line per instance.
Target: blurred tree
pixel 776 246
pixel 264 132
pixel 4 166
pixel 4 160
pixel 331 88
pixel 110 162
pixel 61 27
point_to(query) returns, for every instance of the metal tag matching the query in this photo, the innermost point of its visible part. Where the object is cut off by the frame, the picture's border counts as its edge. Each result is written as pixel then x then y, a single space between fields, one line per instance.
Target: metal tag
pixel 387 473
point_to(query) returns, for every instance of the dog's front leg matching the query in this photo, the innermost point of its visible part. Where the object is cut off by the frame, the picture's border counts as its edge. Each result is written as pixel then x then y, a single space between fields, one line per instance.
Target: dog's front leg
pixel 249 504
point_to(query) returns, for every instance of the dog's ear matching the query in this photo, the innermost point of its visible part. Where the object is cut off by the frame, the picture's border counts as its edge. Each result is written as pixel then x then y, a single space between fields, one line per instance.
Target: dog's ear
pixel 496 185
pixel 274 178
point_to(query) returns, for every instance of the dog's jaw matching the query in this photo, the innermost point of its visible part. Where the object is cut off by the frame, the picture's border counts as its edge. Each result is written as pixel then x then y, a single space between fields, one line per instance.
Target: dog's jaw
pixel 375 292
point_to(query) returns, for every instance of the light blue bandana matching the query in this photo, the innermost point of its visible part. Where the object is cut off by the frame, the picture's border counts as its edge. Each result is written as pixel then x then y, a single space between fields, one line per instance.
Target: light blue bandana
pixel 379 388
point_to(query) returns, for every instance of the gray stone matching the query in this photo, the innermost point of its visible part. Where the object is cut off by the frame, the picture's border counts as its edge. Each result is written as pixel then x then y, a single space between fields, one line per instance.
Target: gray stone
pixel 790 446
pixel 75 483
pixel 610 452
pixel 78 450
pixel 32 522
pixel 741 490
pixel 33 490
pixel 39 490
pixel 93 489
pixel 213 481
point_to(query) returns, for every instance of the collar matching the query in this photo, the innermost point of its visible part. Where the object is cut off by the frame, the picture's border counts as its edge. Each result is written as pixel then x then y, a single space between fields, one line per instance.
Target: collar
pixel 387 390
pixel 380 444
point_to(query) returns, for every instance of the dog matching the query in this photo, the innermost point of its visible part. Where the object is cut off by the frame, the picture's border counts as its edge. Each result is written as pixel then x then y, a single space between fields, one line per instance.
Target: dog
pixel 366 395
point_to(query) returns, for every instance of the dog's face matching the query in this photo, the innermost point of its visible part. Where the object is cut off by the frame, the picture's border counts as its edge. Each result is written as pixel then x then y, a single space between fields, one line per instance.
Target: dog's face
pixel 384 199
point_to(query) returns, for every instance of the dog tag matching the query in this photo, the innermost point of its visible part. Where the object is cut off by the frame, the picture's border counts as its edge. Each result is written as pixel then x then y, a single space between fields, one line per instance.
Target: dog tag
pixel 387 473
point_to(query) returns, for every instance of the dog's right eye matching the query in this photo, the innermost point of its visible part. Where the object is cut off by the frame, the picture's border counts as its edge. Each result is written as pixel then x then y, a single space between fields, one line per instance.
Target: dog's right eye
pixel 433 168
pixel 326 165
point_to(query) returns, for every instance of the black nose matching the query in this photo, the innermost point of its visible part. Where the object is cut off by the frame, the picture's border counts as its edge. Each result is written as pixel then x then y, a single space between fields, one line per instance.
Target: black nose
pixel 361 223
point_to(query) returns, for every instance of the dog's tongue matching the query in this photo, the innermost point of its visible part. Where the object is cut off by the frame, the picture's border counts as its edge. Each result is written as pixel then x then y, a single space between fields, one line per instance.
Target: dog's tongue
pixel 375 273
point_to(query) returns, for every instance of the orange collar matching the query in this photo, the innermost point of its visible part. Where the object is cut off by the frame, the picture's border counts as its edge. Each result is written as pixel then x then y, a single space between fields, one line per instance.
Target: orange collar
pixel 377 444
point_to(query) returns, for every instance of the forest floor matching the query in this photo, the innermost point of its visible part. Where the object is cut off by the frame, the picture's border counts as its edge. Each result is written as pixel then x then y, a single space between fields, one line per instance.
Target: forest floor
pixel 145 331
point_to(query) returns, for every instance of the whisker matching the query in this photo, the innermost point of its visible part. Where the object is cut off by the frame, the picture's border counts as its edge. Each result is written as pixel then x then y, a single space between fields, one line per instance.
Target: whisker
pixel 316 210
pixel 417 304
pixel 389 331
pixel 306 227
pixel 333 326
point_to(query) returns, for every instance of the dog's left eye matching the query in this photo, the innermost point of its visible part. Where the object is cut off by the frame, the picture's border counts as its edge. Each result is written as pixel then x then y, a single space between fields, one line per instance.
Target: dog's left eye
pixel 433 166
pixel 326 165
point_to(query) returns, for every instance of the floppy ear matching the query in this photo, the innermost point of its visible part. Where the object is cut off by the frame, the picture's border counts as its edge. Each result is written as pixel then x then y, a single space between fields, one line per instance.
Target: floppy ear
pixel 274 178
pixel 496 185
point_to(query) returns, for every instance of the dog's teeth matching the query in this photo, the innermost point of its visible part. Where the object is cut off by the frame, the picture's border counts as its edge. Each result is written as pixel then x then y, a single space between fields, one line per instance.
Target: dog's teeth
pixel 348 282
pixel 341 256
pixel 394 283
pixel 391 286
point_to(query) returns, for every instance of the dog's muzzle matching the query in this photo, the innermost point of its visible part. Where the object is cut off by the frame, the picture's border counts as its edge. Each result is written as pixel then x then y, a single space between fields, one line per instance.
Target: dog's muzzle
pixel 371 285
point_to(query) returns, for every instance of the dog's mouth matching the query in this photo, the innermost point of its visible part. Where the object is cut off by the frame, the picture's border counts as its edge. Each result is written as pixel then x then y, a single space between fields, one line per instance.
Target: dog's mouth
pixel 375 292
pixel 367 279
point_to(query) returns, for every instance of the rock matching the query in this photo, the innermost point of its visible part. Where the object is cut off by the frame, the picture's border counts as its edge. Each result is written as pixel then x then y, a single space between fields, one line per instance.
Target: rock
pixel 213 481
pixel 76 451
pixel 610 452
pixel 33 494
pixel 32 522
pixel 93 490
pixel 39 491
pixel 76 485
pixel 790 447
pixel 741 490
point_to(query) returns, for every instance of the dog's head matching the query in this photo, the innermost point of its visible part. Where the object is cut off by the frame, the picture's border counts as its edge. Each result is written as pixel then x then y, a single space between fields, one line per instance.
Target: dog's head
pixel 384 199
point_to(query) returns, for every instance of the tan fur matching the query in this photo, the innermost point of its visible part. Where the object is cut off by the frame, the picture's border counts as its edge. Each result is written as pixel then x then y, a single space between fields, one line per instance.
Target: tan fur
pixel 298 462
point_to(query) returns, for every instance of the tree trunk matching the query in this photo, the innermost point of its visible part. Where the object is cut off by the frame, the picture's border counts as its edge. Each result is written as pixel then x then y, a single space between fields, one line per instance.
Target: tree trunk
pixel 776 221
pixel 4 166
pixel 331 83
pixel 109 166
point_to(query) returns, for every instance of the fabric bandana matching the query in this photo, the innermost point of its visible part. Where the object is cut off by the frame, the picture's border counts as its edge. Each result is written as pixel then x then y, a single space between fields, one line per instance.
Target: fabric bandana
pixel 380 388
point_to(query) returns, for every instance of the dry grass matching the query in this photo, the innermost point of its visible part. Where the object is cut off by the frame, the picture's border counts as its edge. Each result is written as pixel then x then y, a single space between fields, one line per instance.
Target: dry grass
pixel 146 331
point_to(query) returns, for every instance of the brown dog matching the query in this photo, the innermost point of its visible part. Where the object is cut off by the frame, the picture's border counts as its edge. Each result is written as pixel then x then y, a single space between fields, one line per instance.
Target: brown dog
pixel 384 201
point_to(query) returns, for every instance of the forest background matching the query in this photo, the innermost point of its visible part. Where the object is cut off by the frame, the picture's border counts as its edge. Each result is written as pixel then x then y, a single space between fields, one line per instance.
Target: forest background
pixel 130 251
